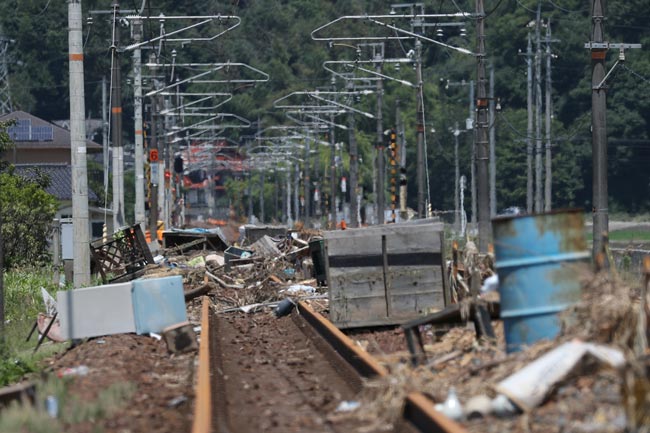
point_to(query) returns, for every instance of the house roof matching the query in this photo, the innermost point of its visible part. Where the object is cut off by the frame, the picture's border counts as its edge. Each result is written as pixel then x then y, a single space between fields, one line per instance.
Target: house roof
pixel 60 177
pixel 60 137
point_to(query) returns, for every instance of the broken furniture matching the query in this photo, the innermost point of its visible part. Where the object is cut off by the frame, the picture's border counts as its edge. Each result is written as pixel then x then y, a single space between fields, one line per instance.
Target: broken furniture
pixel 384 275
pixel 141 306
pixel 195 239
pixel 123 256
pixel 479 312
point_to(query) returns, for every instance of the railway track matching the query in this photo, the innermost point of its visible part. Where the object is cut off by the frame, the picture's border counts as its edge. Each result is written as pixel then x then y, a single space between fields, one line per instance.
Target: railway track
pixel 260 373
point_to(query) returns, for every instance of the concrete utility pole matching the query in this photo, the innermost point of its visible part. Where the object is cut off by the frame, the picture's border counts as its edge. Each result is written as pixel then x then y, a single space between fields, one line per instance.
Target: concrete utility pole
pixel 484 227
pixel 421 158
pixel 116 124
pixel 381 167
pixel 403 181
pixel 599 128
pixel 354 172
pixel 529 130
pixel 5 93
pixel 456 133
pixel 306 181
pixel 332 210
pixel 140 218
pixel 492 144
pixel 262 174
pixel 598 49
pixel 80 221
pixel 105 144
pixel 472 144
pixel 539 205
pixel 154 168
pixel 549 176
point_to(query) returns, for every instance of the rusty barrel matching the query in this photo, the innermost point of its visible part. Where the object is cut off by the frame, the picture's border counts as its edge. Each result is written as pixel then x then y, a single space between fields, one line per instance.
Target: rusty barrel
pixel 537 259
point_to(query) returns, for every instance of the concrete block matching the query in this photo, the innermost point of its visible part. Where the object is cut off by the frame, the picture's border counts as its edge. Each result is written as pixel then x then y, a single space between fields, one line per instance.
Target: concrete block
pixel 95 311
pixel 158 303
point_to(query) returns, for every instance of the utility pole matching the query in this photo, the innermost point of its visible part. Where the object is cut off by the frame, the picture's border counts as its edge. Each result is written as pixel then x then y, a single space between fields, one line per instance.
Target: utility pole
pixel 598 49
pixel 116 124
pixel 456 133
pixel 5 93
pixel 539 206
pixel 381 170
pixel 139 139
pixel 354 172
pixel 529 130
pixel 306 181
pixel 262 195
pixel 80 220
pixel 473 157
pixel 105 147
pixel 492 144
pixel 154 167
pixel 484 228
pixel 401 145
pixel 422 201
pixel 599 127
pixel 549 176
pixel 332 188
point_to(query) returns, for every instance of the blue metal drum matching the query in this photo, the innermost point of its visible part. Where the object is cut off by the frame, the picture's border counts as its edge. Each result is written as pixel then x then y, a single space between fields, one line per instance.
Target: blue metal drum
pixel 537 258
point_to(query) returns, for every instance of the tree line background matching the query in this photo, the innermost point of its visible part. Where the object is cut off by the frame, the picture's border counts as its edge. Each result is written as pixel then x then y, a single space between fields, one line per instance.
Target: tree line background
pixel 275 37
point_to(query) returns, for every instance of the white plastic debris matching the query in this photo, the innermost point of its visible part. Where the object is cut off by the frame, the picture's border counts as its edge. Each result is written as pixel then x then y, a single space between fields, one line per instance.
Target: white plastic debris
pixel 502 406
pixel 451 408
pixel 156 336
pixel 478 406
pixel 158 259
pixel 529 387
pixel 348 406
pixel 299 288
pixel 491 284
pixel 49 301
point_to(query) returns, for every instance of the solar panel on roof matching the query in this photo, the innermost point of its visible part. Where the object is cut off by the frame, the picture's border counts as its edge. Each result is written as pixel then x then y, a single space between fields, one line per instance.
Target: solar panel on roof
pixel 23 131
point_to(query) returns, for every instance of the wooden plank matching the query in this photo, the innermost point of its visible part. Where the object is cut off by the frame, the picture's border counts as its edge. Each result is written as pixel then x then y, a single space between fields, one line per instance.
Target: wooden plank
pixel 408 239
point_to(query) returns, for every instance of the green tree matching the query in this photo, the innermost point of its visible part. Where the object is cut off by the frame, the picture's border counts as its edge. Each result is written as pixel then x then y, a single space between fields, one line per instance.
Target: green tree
pixel 27 213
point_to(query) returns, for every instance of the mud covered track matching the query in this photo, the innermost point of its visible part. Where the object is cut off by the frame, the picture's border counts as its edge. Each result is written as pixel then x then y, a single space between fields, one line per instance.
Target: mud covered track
pixel 277 375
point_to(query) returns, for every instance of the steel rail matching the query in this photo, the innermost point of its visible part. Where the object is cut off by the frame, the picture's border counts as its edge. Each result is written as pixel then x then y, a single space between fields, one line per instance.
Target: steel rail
pixel 418 409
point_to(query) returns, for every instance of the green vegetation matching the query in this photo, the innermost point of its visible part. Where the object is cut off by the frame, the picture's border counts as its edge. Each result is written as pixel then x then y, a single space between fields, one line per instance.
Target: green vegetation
pixel 23 302
pixel 28 419
pixel 275 37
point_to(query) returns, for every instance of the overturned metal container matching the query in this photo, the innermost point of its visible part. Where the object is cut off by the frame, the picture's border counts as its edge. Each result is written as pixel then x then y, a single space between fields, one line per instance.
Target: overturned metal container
pixel 537 259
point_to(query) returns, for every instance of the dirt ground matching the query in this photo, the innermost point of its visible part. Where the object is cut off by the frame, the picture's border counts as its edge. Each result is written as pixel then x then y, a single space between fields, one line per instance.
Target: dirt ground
pixel 162 384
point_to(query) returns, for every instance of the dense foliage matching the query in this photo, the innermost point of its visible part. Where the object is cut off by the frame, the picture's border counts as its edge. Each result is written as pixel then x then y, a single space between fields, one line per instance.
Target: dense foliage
pixel 275 37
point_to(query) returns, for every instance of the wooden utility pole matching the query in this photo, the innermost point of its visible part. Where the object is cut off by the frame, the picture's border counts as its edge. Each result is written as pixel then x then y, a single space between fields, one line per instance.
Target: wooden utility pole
pixel 484 226
pixel 80 221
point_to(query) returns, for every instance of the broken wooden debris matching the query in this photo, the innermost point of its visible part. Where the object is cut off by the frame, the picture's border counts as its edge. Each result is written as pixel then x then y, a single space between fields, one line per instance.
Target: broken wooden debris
pixel 480 313
pixel 180 337
pixel 24 393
